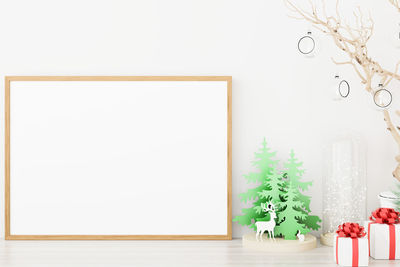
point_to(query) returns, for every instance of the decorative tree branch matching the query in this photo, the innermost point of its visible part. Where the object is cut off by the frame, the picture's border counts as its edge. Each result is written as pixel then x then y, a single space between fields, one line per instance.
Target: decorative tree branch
pixel 352 40
pixel 396 4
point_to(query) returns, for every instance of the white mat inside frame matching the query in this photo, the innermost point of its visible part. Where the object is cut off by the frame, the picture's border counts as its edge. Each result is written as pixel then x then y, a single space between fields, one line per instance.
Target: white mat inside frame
pixel 118 157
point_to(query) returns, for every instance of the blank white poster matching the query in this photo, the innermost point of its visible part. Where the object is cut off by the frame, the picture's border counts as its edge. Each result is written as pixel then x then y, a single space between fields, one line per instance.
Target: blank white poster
pixel 118 157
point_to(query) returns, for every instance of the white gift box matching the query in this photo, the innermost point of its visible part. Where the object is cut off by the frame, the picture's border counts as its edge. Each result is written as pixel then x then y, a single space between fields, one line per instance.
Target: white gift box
pixel 379 238
pixel 345 251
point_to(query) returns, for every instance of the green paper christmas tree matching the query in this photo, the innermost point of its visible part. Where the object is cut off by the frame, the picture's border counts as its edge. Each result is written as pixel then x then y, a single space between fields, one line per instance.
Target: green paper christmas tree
pixel 266 165
pixel 294 174
pixel 397 193
pixel 284 189
pixel 292 215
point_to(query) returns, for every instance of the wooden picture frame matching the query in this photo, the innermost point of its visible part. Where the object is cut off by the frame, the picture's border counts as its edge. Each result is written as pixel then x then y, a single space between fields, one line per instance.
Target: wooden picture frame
pixel 8 178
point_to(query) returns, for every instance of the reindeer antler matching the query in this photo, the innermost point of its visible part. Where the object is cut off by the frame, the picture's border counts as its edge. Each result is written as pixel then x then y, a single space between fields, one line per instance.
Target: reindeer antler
pixel 353 40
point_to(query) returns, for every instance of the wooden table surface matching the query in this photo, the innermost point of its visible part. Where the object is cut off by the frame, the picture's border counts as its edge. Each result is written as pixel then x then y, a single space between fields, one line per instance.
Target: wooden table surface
pixel 156 253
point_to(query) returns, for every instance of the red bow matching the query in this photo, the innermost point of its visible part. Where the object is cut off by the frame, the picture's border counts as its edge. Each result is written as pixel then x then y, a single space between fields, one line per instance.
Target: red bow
pixel 385 215
pixel 353 230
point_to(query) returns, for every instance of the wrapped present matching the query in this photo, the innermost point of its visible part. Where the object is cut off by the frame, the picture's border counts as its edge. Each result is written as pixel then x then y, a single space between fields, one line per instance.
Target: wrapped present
pixel 384 234
pixel 350 245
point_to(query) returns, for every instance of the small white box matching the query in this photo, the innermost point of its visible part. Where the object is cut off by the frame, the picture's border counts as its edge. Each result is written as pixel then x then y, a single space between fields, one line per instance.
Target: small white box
pixel 379 236
pixel 345 251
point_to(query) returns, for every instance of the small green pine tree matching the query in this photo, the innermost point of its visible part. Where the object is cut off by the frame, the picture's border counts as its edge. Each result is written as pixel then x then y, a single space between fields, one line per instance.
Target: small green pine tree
pixel 298 208
pixel 292 215
pixel 397 193
pixel 293 171
pixel 275 188
pixel 283 189
pixel 266 165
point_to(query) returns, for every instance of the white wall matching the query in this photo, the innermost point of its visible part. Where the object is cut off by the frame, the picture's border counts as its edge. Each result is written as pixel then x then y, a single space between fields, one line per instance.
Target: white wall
pixel 277 93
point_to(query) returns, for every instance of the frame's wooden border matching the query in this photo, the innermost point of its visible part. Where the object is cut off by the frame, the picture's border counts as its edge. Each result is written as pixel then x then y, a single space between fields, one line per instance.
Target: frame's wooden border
pixel 8 235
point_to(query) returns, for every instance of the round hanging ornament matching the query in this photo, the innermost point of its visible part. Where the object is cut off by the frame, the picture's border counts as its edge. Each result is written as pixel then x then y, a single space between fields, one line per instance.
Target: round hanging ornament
pixel 340 88
pixel 382 97
pixel 307 44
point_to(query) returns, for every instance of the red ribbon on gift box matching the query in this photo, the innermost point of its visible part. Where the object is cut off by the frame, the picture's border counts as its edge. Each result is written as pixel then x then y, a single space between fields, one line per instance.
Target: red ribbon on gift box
pixel 353 231
pixel 390 217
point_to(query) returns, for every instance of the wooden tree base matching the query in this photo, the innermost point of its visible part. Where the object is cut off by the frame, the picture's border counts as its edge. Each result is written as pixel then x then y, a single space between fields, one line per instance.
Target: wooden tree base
pixel 327 239
pixel 280 245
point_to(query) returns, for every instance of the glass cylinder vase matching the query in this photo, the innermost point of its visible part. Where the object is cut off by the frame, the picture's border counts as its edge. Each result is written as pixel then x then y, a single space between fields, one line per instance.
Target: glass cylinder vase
pixel 344 184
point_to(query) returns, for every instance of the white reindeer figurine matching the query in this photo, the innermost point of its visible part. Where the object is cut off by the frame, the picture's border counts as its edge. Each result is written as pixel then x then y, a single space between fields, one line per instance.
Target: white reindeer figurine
pixel 269 225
